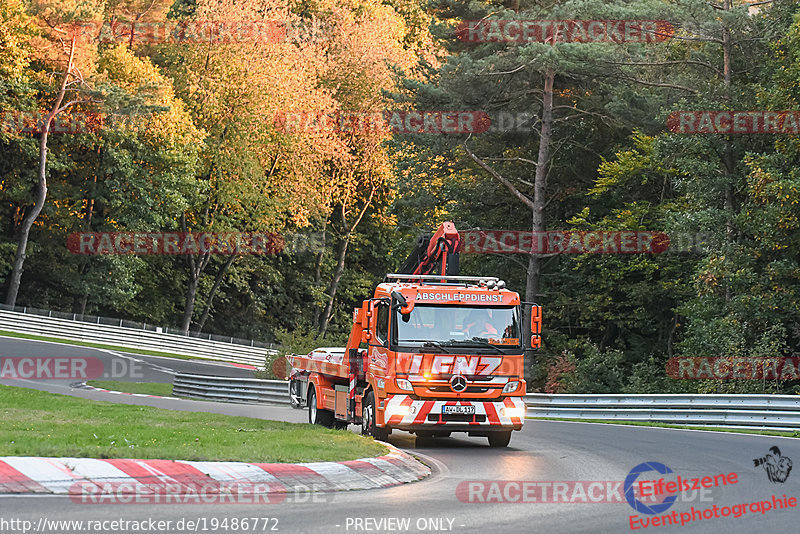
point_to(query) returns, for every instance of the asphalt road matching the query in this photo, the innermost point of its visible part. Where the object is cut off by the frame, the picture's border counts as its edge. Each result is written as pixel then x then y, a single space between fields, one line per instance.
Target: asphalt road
pixel 542 451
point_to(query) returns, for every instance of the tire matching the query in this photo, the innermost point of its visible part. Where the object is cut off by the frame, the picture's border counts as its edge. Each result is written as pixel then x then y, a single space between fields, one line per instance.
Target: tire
pixel 499 439
pixel 368 427
pixel 294 395
pixel 315 415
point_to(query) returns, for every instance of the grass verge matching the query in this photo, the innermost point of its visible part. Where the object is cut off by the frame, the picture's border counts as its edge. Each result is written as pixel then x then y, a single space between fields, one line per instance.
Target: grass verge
pixel 145 388
pixel 118 348
pixel 795 434
pixel 37 423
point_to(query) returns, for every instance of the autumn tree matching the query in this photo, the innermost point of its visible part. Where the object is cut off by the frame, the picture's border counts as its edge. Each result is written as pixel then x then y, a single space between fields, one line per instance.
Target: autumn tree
pixel 66 67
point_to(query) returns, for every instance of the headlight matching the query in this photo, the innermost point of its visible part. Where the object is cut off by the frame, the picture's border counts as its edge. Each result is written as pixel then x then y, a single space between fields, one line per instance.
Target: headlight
pixel 511 387
pixel 512 412
pixel 404 384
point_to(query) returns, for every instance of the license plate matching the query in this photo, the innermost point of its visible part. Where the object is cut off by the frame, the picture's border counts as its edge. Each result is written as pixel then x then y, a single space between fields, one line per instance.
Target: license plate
pixel 464 410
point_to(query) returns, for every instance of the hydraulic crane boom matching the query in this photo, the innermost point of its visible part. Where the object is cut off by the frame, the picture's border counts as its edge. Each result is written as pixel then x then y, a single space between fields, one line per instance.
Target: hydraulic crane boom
pixel 435 255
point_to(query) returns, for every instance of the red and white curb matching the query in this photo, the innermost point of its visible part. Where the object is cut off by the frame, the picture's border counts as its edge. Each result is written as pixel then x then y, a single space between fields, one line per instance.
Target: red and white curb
pixel 72 476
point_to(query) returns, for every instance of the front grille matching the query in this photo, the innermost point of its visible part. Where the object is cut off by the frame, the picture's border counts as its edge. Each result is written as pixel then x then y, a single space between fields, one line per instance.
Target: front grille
pixel 447 389
pixel 455 418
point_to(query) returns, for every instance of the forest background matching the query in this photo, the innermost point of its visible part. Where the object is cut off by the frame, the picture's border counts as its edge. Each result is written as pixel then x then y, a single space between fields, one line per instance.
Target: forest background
pixel 191 141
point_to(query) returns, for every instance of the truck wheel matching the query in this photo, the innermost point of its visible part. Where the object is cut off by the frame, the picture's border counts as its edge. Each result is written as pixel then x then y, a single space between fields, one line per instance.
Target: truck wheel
pixel 499 439
pixel 294 394
pixel 315 415
pixel 368 426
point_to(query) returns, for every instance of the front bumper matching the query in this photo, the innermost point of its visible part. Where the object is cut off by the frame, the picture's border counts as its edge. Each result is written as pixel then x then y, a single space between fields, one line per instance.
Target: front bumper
pixel 404 413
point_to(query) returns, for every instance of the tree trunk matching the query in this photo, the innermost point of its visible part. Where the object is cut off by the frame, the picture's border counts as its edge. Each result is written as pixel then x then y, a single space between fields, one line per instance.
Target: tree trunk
pixel 537 209
pixel 539 187
pixel 727 163
pixel 727 158
pixel 79 301
pixel 217 282
pixel 318 277
pixel 196 269
pixel 81 305
pixel 188 308
pixel 341 254
pixel 41 192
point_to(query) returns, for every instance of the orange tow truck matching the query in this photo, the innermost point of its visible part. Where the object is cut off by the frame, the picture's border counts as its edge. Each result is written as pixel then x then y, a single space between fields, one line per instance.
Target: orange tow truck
pixel 431 353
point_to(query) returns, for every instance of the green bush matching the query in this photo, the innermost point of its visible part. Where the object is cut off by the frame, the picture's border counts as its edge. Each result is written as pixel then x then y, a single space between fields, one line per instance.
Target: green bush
pixel 598 371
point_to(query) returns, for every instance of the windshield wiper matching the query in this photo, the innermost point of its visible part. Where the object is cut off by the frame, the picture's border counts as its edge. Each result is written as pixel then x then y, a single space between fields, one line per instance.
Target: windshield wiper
pixel 427 344
pixel 474 341
pixel 437 345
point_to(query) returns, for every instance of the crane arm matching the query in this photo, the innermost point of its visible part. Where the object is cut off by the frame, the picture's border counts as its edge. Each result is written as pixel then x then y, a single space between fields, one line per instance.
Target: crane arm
pixel 435 255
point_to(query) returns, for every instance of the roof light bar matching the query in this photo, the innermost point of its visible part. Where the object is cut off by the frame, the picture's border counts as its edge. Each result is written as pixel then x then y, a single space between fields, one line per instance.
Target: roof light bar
pixel 436 277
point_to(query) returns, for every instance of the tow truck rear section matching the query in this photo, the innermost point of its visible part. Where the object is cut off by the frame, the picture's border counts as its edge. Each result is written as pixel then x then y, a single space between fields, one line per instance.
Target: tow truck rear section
pixel 431 353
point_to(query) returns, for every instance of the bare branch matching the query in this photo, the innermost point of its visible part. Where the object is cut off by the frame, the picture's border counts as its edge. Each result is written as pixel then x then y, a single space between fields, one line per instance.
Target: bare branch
pixel 501 73
pixel 511 159
pixel 147 10
pixel 73 102
pixel 552 198
pixel 703 39
pixel 667 85
pixel 663 63
pixel 364 209
pixel 497 176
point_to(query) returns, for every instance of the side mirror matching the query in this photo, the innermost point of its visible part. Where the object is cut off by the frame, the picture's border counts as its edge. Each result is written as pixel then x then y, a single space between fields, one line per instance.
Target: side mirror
pixel 367 317
pixel 373 324
pixel 536 326
pixel 400 300
pixel 402 303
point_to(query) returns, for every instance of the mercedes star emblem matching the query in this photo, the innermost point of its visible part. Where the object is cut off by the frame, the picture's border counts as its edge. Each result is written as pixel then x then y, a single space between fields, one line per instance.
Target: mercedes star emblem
pixel 458 383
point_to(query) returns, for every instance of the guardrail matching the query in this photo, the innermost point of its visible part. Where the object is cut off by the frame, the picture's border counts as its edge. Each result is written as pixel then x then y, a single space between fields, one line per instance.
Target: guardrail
pixel 240 390
pixel 775 412
pixel 131 338
pixel 135 325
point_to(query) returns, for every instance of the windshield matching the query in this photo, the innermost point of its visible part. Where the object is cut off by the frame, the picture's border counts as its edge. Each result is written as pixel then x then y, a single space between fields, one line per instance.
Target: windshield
pixel 458 325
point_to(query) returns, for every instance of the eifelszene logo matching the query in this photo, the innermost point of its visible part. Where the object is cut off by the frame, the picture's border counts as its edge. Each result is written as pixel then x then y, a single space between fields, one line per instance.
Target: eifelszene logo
pixel 667 489
pixel 630 484
pixel 777 466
